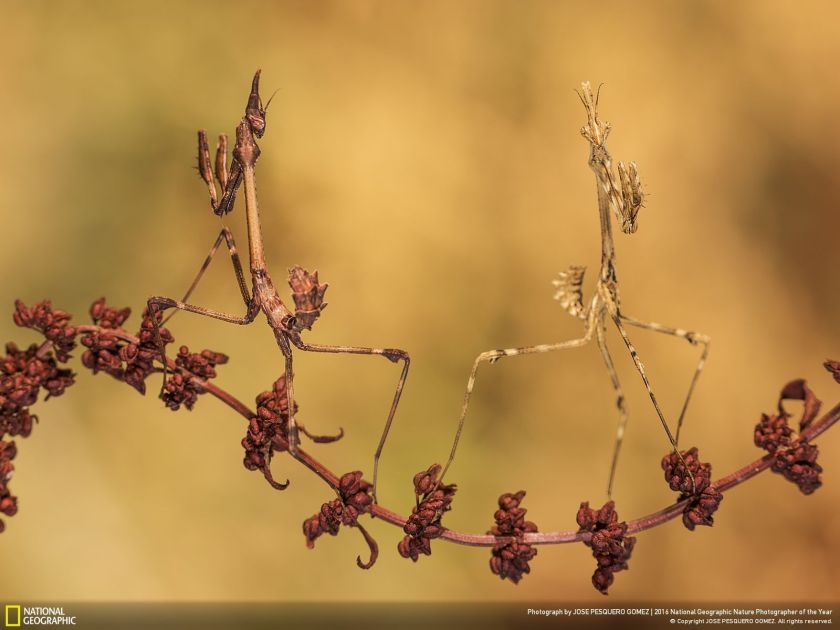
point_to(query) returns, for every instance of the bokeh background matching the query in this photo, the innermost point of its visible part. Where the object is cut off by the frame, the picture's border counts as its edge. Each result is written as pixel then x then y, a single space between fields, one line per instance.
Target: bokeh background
pixel 425 158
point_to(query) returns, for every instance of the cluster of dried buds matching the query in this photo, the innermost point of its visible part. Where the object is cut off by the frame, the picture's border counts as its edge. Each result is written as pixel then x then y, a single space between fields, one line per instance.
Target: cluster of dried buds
pixel 794 457
pixel 132 359
pixel 431 499
pixel 108 348
pixel 353 500
pixel 268 431
pixel 8 502
pixel 609 542
pixel 183 388
pixel 693 480
pixel 510 560
pixel 23 374
pixel 109 351
pixel 53 324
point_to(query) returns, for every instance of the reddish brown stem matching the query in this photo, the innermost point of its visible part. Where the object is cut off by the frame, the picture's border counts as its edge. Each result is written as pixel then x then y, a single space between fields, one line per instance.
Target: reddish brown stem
pixel 485 540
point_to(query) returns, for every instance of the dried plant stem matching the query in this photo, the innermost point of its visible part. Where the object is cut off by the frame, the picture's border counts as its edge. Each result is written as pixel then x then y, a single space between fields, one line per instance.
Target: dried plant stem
pixel 657 518
pixel 485 540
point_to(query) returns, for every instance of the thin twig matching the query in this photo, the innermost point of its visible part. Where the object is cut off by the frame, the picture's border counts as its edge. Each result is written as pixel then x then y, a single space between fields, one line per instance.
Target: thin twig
pixel 485 540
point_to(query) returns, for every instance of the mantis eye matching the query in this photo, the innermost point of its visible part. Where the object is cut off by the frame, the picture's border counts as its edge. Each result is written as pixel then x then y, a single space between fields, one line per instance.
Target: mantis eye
pixel 256 120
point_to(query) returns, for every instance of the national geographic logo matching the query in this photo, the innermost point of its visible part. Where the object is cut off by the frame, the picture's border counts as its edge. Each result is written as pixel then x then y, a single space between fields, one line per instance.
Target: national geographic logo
pixel 17 616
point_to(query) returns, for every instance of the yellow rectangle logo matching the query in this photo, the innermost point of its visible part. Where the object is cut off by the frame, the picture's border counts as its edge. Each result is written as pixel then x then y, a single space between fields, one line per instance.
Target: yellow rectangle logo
pixel 12 608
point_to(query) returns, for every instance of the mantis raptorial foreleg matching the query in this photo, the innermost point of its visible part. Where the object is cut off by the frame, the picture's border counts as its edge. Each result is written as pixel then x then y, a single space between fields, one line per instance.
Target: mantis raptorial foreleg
pixel 228 181
pixel 224 235
pixel 229 184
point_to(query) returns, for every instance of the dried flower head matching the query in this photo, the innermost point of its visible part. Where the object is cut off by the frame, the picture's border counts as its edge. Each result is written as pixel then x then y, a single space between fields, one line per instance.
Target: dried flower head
pixel 106 316
pixel 108 351
pixel 610 545
pixel 8 502
pixel 182 387
pixel 354 499
pixel 23 373
pixel 268 431
pixel 794 457
pixel 53 324
pixel 432 500
pixel 693 480
pixel 510 560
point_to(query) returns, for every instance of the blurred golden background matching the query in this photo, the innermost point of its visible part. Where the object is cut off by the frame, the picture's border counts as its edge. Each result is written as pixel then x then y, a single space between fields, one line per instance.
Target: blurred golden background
pixel 425 158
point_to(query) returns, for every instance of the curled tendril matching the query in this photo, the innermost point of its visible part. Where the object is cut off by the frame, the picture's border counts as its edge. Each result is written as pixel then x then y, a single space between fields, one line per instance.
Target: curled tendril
pixel 374 548
pixel 321 439
pixel 270 479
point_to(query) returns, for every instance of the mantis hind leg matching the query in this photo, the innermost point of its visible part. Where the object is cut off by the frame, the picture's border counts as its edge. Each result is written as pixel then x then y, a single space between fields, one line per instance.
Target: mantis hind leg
pixel 641 370
pixel 392 354
pixel 693 338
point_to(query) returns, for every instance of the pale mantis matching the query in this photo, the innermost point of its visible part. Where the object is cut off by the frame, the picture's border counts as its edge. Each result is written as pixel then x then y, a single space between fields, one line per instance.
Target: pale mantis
pixel 263 296
pixel 624 195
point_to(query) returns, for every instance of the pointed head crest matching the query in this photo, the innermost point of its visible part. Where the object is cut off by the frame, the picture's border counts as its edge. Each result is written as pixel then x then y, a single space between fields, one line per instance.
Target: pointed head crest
pixel 594 130
pixel 254 110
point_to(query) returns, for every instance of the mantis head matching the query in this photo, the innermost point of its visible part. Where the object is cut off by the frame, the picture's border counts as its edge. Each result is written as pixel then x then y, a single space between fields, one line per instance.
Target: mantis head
pixel 254 110
pixel 625 197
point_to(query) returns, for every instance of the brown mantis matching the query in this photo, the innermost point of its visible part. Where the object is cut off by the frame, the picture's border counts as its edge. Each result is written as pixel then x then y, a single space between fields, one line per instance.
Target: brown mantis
pixel 624 195
pixel 263 296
